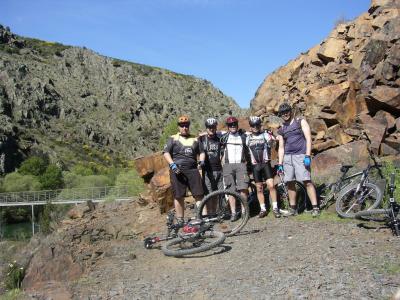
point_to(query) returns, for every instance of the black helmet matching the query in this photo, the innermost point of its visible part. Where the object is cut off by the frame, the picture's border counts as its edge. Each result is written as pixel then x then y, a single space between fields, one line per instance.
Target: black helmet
pixel 254 121
pixel 211 122
pixel 283 108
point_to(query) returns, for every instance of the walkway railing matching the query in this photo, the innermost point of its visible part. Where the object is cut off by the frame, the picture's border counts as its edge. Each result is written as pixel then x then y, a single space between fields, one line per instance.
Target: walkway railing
pixel 67 196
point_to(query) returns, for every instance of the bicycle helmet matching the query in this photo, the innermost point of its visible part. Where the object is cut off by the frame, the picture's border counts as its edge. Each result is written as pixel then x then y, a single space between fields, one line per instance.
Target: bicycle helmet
pixel 254 121
pixel 183 119
pixel 211 122
pixel 283 108
pixel 231 120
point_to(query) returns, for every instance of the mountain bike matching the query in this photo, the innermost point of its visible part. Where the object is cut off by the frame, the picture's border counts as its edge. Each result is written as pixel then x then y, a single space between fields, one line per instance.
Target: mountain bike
pixel 328 194
pixel 186 238
pixel 390 215
pixel 302 201
pixel 215 208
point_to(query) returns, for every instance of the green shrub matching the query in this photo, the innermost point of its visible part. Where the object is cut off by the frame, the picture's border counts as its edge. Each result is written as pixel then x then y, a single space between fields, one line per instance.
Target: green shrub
pixel 45 218
pixel 94 181
pixel 52 178
pixel 15 275
pixel 16 182
pixel 71 180
pixel 83 170
pixel 170 129
pixel 131 179
pixel 389 168
pixel 33 166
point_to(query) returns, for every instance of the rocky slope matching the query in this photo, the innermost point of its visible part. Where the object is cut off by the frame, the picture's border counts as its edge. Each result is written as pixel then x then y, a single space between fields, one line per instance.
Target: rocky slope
pixel 100 255
pixel 350 81
pixel 73 104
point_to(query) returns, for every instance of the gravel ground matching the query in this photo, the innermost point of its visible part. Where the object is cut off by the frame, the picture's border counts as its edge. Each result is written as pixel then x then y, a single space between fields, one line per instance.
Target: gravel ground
pixel 290 258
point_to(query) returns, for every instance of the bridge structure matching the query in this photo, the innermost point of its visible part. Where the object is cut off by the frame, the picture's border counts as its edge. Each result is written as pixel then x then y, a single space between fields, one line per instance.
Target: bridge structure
pixel 65 196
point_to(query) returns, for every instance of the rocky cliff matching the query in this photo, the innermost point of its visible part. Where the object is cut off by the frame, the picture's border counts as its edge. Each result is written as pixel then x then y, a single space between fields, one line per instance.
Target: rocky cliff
pixel 75 105
pixel 347 83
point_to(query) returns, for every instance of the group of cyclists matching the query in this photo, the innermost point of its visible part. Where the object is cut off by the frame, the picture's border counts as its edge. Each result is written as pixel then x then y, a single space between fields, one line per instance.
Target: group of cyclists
pixel 228 157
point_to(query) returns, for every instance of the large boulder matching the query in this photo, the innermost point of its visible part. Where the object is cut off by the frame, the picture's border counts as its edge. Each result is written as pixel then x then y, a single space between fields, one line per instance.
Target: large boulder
pixel 326 165
pixel 160 188
pixel 148 165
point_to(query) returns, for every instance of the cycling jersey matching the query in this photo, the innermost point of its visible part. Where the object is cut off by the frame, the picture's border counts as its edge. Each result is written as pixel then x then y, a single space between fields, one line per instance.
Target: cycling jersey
pixel 211 146
pixel 234 147
pixel 259 145
pixel 183 150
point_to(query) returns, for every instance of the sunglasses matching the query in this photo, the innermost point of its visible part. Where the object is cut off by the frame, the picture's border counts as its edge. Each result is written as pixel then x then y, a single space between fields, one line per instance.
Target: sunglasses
pixel 211 127
pixel 256 126
pixel 232 124
pixel 182 125
pixel 285 112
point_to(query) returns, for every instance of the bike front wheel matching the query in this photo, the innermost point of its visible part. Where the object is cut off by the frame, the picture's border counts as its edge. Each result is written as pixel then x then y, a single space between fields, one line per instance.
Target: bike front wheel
pixel 182 246
pixel 227 210
pixel 379 214
pixel 349 202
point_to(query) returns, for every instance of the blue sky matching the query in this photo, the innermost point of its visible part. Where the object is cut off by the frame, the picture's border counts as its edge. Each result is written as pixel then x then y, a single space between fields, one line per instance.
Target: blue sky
pixel 232 43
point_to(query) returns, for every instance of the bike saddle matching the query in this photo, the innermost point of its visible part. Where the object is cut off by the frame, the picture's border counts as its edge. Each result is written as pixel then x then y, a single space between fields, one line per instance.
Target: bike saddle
pixel 345 168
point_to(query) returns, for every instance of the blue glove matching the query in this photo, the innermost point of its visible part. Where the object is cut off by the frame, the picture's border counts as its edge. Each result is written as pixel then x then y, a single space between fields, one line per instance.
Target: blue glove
pixel 174 168
pixel 202 164
pixel 279 169
pixel 307 161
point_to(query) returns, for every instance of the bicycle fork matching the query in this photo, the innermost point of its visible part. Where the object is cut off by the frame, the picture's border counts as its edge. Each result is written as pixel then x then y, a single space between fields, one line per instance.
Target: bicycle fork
pixel 363 194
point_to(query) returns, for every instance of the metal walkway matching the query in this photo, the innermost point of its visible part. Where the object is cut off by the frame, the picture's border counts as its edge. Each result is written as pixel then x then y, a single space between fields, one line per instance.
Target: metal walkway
pixel 66 196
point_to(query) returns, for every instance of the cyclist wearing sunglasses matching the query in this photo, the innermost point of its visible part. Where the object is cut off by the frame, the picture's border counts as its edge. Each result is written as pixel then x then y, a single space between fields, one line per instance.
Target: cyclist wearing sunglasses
pixel 235 159
pixel 181 151
pixel 259 143
pixel 294 156
pixel 210 144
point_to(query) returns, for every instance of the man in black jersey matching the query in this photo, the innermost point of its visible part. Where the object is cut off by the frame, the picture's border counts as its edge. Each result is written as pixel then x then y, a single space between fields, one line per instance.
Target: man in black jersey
pixel 181 153
pixel 210 144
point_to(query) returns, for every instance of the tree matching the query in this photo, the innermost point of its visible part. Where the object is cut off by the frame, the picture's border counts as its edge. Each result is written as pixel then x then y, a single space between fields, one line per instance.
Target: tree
pixel 52 178
pixel 33 166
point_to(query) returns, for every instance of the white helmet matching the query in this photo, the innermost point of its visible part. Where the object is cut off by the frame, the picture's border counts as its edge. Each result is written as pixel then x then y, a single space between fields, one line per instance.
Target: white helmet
pixel 254 121
pixel 211 122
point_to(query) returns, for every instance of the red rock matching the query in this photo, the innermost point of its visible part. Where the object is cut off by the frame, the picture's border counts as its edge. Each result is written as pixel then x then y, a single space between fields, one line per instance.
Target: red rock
pixel 160 189
pixel 149 165
pixel 326 165
pixel 385 119
pixel 387 150
pixel 387 95
pixel 375 131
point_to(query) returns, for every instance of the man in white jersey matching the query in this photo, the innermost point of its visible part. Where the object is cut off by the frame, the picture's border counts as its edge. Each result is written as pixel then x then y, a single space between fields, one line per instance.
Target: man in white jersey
pixel 259 145
pixel 235 159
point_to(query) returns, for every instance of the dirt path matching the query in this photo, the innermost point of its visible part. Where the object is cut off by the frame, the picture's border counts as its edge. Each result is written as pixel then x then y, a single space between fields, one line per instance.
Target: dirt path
pixel 296 258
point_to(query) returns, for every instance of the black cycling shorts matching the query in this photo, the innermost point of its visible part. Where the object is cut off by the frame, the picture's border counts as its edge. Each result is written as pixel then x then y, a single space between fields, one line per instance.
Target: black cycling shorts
pixel 262 172
pixel 186 179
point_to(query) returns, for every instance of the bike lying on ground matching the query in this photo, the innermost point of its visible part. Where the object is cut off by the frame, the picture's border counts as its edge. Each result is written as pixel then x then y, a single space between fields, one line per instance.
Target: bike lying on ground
pixel 191 237
pixel 216 208
pixel 390 215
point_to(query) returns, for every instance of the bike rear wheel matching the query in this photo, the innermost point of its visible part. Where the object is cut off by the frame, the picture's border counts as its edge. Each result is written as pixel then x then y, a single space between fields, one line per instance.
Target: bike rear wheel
pixel 302 201
pixel 182 246
pixel 348 203
pixel 215 208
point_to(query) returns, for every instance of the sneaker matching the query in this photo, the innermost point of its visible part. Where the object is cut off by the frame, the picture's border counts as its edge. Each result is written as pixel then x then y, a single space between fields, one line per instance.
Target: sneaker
pixel 262 214
pixel 234 217
pixel 276 213
pixel 290 212
pixel 315 212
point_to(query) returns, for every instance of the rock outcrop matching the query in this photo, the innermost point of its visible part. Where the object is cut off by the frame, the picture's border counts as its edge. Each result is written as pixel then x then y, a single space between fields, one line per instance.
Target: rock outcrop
pixel 348 83
pixel 75 105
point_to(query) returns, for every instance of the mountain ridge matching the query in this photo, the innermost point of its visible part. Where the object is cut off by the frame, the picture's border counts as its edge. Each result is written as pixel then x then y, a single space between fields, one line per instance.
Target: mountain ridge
pixel 72 104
